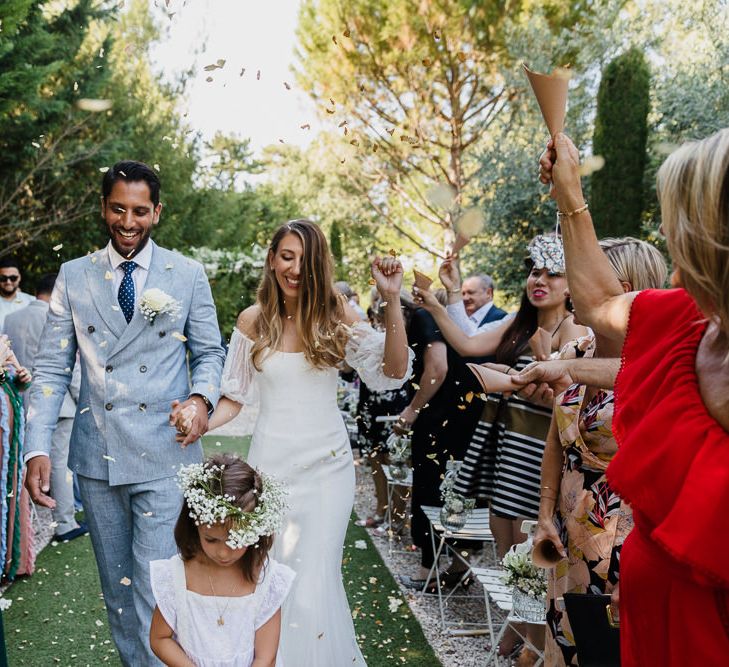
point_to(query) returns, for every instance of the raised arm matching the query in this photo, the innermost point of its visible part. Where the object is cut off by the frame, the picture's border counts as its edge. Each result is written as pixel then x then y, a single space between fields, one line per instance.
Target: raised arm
pixel 482 344
pixel 387 273
pixel 560 373
pixel 435 368
pixel 596 293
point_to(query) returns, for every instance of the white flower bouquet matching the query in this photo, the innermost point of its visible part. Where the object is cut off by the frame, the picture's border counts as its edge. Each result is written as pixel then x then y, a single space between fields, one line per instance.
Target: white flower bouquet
pixel 521 572
pixel 155 302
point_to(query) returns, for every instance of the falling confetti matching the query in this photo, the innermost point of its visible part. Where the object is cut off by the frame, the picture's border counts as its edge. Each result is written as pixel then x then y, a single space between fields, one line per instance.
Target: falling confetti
pixel 47 391
pixel 56 248
pixel 287 86
pixel 179 336
pixel 305 126
pixel 360 544
pixel 103 170
pixel 591 164
pixel 84 410
pixel 64 343
pixel 470 223
pixel 109 458
pixel 108 276
pixel 258 75
pixel 125 581
pixel 94 106
pixel 242 71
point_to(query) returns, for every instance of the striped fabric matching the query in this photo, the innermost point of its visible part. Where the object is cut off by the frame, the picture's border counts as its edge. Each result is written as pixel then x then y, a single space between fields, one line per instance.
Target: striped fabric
pixel 502 465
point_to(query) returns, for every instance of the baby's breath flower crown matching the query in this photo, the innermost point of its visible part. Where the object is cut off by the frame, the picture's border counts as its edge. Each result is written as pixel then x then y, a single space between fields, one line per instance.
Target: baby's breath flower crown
pixel 198 482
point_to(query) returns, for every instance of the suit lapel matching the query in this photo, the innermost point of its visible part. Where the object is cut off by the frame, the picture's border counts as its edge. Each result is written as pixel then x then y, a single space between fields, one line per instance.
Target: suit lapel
pixel 100 278
pixel 158 277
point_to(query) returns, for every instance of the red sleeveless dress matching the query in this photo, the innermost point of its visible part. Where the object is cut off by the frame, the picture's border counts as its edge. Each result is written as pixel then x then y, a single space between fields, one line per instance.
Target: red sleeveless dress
pixel 672 466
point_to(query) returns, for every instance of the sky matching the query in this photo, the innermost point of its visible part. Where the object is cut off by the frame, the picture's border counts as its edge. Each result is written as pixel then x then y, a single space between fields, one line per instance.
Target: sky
pixel 257 35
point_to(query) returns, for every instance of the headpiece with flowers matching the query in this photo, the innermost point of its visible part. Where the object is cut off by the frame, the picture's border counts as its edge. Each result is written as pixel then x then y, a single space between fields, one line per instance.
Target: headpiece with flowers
pixel 199 483
pixel 546 252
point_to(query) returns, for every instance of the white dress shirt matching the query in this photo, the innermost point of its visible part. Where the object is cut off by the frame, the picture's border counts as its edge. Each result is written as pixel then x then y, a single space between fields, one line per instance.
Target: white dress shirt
pixel 139 275
pixel 470 325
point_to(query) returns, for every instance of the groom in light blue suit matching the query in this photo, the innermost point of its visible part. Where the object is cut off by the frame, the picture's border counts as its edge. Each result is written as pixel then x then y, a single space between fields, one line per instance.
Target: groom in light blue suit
pixel 123 448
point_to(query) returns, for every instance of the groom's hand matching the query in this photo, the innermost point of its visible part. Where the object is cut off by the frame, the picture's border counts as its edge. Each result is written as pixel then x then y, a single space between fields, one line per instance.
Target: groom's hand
pixel 38 481
pixel 195 411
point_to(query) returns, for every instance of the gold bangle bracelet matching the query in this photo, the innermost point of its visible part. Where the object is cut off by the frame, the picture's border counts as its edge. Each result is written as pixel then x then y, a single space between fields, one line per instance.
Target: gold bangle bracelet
pixel 577 211
pixel 455 290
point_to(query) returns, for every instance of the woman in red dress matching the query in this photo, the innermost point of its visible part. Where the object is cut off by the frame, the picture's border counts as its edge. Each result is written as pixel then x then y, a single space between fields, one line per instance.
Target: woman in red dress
pixel 672 404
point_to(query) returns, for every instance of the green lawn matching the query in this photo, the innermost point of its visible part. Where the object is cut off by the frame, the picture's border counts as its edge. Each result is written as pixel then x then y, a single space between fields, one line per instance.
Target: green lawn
pixel 58 616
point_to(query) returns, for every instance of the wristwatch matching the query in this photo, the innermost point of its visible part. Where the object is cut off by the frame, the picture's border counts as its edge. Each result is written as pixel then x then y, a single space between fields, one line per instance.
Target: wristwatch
pixel 207 402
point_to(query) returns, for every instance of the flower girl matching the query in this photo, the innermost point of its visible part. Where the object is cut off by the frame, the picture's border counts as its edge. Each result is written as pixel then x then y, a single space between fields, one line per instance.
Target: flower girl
pixel 219 600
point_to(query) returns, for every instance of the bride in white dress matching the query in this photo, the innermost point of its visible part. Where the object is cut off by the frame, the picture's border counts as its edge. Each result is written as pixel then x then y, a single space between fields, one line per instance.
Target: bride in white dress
pixel 285 352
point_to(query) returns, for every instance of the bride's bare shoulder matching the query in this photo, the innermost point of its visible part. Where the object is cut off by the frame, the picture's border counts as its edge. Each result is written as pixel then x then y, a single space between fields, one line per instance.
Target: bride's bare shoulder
pixel 246 322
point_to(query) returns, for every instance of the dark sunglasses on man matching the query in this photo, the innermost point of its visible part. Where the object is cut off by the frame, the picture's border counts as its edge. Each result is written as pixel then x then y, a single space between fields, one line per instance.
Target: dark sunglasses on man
pixel 12 279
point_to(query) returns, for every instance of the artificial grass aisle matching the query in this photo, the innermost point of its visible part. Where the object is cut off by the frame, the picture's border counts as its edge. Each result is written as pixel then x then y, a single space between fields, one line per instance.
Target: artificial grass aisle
pixel 58 616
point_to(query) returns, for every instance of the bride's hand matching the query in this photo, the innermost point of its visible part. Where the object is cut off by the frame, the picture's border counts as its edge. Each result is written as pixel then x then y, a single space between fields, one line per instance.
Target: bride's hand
pixel 387 272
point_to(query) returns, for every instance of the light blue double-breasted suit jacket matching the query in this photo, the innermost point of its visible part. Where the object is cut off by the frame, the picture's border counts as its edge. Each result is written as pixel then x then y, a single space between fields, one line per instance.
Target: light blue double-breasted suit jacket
pixel 130 373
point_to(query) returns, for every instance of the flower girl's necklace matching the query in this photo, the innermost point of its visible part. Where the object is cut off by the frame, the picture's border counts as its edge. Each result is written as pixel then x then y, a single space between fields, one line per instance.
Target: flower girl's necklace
pixel 221 614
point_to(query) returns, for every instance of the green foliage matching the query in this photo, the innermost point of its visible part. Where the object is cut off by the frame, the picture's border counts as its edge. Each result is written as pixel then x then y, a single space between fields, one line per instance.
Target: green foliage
pixel 621 133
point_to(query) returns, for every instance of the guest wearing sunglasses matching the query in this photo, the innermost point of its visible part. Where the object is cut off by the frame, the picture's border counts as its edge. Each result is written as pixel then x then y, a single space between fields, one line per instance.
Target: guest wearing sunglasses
pixel 11 296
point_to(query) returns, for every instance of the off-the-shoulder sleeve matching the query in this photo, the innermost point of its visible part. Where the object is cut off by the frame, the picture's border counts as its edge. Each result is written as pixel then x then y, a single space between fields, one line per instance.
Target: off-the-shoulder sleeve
pixel 163 588
pixel 365 352
pixel 239 373
pixel 274 588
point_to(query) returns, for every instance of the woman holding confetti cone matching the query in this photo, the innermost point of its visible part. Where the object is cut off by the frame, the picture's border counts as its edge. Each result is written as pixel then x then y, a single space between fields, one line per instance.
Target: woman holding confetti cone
pixel 288 348
pixel 672 412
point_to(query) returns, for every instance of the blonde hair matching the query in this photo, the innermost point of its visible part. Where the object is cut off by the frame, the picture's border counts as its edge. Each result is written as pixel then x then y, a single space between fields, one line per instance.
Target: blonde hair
pixel 319 308
pixel 693 187
pixel 636 262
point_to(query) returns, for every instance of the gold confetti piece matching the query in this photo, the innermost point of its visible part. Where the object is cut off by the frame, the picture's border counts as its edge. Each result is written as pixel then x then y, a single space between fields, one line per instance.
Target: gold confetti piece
pixel 408 139
pixel 103 343
pixel 343 123
pixel 169 266
pixel 179 336
pixel 333 102
pixel 393 253
pixel 75 86
pixel 47 391
pixel 333 453
pixel 84 410
pixel 415 386
pixel 109 458
pixel 436 35
pixel 258 75
pixel 461 56
pixel 469 397
pixel 56 248
pixel 93 260
pixel 242 71
pixel 108 276
pixel 125 581
pixel 427 62
pixel 346 33
pixel 330 111
pixel 209 79
pixel 390 132
pixel 103 170
pixel 334 39
pixel 346 131
pixel 305 126
pixel 592 164
pixel 286 85
pixel 354 142
pixel 371 281
pixel 64 343
pixel 147 513
pixel 94 106
pixel 156 166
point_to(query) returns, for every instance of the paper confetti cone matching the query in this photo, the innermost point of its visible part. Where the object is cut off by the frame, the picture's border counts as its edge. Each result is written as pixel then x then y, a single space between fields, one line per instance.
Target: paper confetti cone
pixel 492 380
pixel 551 93
pixel 422 281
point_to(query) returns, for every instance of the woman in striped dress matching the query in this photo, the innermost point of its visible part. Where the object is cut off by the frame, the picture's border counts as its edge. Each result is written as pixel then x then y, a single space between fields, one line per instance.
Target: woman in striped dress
pixel 504 459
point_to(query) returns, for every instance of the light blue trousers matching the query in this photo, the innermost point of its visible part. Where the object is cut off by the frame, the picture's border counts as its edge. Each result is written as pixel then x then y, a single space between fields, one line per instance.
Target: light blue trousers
pixel 130 525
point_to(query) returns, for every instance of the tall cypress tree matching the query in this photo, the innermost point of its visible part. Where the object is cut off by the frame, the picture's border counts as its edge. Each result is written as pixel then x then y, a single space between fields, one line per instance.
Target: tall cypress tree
pixel 621 132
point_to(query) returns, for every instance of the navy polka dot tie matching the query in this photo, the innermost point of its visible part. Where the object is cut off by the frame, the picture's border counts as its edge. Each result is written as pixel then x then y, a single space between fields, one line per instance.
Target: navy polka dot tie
pixel 126 290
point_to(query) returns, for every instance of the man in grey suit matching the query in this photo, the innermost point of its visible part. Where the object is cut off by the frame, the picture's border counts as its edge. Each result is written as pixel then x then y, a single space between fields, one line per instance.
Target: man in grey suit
pixel 23 328
pixel 134 364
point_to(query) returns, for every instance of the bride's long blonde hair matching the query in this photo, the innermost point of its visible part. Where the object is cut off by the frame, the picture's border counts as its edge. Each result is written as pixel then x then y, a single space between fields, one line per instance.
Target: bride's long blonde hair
pixel 319 309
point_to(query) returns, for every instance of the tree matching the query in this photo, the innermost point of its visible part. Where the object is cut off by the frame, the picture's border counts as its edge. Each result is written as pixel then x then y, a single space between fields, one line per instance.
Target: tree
pixel 621 133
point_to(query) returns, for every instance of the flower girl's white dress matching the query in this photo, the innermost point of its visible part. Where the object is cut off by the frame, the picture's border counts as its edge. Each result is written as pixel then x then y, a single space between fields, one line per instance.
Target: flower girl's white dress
pixel 194 617
pixel 301 439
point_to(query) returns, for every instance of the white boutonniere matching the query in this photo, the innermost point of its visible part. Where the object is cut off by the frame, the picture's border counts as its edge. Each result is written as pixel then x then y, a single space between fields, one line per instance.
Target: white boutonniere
pixel 155 302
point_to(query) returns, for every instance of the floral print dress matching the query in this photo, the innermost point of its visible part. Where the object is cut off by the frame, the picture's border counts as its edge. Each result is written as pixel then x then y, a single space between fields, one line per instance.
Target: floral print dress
pixel 591 519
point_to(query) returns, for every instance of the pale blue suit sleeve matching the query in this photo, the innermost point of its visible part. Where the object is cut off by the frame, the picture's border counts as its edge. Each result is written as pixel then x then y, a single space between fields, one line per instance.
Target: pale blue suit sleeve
pixel 56 356
pixel 204 341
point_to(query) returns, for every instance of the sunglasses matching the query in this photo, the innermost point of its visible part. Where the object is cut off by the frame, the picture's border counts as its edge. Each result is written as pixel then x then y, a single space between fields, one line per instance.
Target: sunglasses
pixel 12 279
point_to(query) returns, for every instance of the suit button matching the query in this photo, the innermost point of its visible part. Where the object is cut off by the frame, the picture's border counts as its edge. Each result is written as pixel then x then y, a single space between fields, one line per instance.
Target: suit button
pixel 142 406
pixel 142 369
pixel 162 334
pixel 109 368
pixel 91 328
pixel 108 406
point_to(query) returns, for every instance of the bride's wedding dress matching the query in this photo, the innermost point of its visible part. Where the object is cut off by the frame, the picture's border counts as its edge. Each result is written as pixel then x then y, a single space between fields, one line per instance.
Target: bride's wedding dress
pixel 300 438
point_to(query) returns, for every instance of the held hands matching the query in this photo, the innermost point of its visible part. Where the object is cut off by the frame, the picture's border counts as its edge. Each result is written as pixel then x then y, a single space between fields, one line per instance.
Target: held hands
pixel 555 373
pixel 559 167
pixel 190 419
pixel 534 391
pixel 387 272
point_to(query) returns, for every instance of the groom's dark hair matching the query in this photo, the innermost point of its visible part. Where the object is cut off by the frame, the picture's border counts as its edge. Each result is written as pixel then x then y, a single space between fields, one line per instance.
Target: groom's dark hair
pixel 131 170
